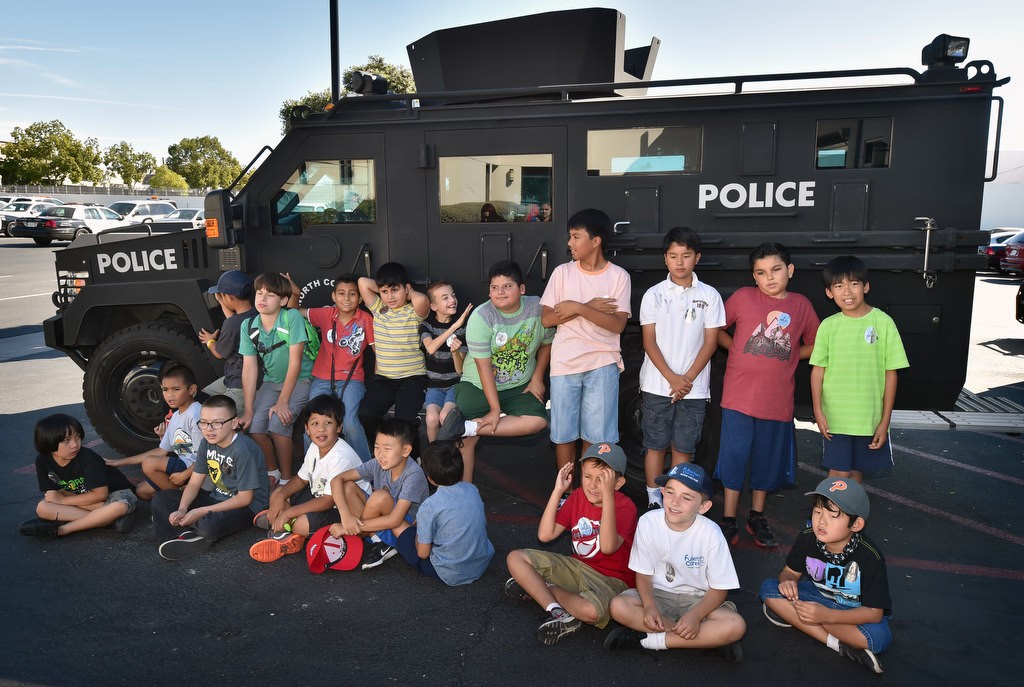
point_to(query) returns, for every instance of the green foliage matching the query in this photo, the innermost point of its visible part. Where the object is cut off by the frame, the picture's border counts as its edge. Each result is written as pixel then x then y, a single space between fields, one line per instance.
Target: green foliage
pixel 399 78
pixel 203 162
pixel 48 153
pixel 165 178
pixel 128 164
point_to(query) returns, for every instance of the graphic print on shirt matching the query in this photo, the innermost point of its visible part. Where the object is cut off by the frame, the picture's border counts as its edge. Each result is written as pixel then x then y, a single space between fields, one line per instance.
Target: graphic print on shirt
pixel 217 466
pixel 586 537
pixel 770 338
pixel 353 340
pixel 181 443
pixel 510 355
pixel 837 582
pixel 75 486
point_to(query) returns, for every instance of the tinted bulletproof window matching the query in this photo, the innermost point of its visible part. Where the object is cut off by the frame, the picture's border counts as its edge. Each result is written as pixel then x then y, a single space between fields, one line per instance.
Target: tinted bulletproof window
pixel 652 150
pixel 853 143
pixel 495 188
pixel 326 192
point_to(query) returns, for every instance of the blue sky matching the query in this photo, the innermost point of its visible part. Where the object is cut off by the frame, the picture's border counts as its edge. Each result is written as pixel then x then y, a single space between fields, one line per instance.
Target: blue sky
pixel 154 73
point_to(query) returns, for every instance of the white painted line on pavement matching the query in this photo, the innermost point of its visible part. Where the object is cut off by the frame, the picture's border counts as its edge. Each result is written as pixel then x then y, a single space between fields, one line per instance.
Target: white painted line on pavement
pixel 31 295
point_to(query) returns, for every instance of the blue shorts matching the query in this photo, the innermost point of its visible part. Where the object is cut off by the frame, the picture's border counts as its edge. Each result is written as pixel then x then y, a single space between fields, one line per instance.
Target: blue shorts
pixel 174 464
pixel 666 424
pixel 406 546
pixel 766 447
pixel 585 406
pixel 439 397
pixel 878 635
pixel 845 453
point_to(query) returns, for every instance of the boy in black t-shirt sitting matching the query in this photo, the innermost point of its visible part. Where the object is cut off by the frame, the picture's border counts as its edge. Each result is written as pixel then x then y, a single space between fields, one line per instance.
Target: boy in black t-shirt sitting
pixel 834 586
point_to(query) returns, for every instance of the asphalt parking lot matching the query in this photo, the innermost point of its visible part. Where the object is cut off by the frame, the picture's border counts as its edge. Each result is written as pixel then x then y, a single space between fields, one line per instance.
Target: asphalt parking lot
pixel 103 608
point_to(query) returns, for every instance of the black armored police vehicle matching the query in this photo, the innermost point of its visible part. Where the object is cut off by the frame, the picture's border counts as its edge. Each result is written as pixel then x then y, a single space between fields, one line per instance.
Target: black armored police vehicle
pixel 501 144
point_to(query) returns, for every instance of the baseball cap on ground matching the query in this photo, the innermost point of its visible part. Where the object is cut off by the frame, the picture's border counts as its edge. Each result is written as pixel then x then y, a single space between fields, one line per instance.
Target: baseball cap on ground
pixel 233 283
pixel 845 493
pixel 609 454
pixel 335 553
pixel 690 474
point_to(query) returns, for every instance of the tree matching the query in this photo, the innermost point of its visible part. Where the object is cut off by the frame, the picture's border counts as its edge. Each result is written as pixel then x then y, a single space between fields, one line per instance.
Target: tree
pixel 399 78
pixel 203 162
pixel 128 164
pixel 48 153
pixel 165 178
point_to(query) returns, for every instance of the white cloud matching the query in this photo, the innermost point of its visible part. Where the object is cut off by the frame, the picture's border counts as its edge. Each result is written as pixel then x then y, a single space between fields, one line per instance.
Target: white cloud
pixel 88 100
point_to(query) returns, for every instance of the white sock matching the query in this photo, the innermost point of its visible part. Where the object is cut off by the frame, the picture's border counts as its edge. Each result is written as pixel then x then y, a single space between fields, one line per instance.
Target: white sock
pixel 553 605
pixel 282 482
pixel 375 538
pixel 471 428
pixel 654 495
pixel 276 474
pixel 833 643
pixel 654 641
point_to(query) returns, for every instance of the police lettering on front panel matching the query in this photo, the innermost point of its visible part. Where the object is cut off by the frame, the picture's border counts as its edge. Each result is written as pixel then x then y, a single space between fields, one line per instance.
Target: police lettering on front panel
pixel 138 261
pixel 784 195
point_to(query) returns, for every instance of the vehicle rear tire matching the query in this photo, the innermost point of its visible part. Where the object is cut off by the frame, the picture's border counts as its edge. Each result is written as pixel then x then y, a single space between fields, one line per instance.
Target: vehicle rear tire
pixel 6 229
pixel 81 232
pixel 42 242
pixel 121 390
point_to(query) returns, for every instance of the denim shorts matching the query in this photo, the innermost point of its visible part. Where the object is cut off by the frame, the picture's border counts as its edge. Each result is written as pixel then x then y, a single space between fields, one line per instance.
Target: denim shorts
pixel 766 447
pixel 439 397
pixel 878 635
pixel 125 496
pixel 845 452
pixel 666 424
pixel 266 397
pixel 585 406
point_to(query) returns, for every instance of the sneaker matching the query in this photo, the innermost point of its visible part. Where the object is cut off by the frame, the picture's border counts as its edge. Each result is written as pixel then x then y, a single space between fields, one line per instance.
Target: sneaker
pixel 125 523
pixel 757 525
pixel 559 625
pixel 37 527
pixel 733 653
pixel 654 505
pixel 624 638
pixel 273 548
pixel 862 656
pixel 730 531
pixel 773 617
pixel 187 544
pixel 514 591
pixel 453 427
pixel 262 520
pixel 377 553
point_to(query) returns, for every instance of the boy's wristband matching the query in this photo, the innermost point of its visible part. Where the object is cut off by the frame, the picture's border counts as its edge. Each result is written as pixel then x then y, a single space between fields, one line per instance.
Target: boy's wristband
pixel 210 343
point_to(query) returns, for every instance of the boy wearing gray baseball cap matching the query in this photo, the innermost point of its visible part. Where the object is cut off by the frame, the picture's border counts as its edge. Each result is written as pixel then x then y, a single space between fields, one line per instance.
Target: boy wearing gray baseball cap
pixel 834 586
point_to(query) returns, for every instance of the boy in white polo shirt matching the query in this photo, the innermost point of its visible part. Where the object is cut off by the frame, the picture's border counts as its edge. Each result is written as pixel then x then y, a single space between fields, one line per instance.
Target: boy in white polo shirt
pixel 679 319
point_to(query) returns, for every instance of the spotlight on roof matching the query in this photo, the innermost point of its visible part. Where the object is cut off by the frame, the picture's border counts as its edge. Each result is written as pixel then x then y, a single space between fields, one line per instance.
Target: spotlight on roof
pixel 945 51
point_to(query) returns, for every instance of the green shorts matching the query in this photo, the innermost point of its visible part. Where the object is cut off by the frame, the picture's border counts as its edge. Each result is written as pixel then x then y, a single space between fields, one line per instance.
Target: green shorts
pixel 576 576
pixel 516 402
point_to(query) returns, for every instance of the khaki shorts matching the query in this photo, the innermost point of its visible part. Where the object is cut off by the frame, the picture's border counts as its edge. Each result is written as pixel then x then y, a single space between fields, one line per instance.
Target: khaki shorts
pixel 674 605
pixel 576 576
pixel 236 395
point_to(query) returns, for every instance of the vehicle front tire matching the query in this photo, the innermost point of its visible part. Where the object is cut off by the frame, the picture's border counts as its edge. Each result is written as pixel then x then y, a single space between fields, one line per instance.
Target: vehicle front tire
pixel 121 388
pixel 42 242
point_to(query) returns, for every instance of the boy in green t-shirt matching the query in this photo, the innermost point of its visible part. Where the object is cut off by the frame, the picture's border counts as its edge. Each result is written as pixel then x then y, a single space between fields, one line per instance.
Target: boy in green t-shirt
pixel 853 375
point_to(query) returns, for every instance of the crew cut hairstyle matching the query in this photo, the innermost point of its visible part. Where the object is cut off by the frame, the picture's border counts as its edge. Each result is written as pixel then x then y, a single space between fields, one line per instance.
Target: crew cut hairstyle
pixel 221 401
pixel 399 429
pixel 183 372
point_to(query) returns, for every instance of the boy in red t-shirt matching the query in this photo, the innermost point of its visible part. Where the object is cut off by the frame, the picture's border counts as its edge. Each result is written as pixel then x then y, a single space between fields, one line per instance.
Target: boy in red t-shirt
pixel 345 332
pixel 601 519
pixel 774 330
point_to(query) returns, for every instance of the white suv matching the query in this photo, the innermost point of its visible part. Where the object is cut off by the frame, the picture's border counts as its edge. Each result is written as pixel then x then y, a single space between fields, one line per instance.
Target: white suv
pixel 142 211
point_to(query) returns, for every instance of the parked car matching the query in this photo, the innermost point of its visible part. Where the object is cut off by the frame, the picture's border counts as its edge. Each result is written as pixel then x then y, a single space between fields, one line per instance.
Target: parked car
pixel 67 222
pixel 194 215
pixel 12 211
pixel 37 199
pixel 996 247
pixel 1020 304
pixel 142 211
pixel 1013 260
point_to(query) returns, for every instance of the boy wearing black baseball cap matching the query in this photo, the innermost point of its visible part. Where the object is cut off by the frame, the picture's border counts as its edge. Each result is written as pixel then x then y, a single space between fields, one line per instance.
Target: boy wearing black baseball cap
pixel 684 572
pixel 834 586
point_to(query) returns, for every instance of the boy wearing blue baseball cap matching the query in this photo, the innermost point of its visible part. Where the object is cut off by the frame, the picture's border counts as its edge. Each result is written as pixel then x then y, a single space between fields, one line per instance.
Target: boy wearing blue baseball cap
pixel 834 586
pixel 684 572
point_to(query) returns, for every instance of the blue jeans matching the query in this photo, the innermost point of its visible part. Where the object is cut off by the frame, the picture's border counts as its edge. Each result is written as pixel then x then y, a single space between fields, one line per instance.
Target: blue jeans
pixel 351 428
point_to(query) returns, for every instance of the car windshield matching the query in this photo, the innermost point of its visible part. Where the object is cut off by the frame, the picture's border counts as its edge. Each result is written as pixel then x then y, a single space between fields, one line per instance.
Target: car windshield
pixel 18 207
pixel 58 211
pixel 122 208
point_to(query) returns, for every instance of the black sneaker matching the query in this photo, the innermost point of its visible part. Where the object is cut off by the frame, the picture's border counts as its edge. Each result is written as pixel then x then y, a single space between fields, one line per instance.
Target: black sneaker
pixel 37 527
pixel 559 625
pixel 377 553
pixel 862 656
pixel 187 544
pixel 773 617
pixel 730 531
pixel 757 525
pixel 453 427
pixel 654 505
pixel 514 591
pixel 733 653
pixel 125 523
pixel 624 638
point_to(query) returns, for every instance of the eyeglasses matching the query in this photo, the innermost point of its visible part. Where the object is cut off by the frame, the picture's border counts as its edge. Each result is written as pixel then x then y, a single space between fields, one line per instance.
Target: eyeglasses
pixel 214 424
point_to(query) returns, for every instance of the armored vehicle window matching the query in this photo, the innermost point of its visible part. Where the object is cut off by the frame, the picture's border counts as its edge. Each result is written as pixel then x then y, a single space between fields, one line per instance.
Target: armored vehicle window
pixel 667 150
pixel 495 188
pixel 325 192
pixel 853 143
